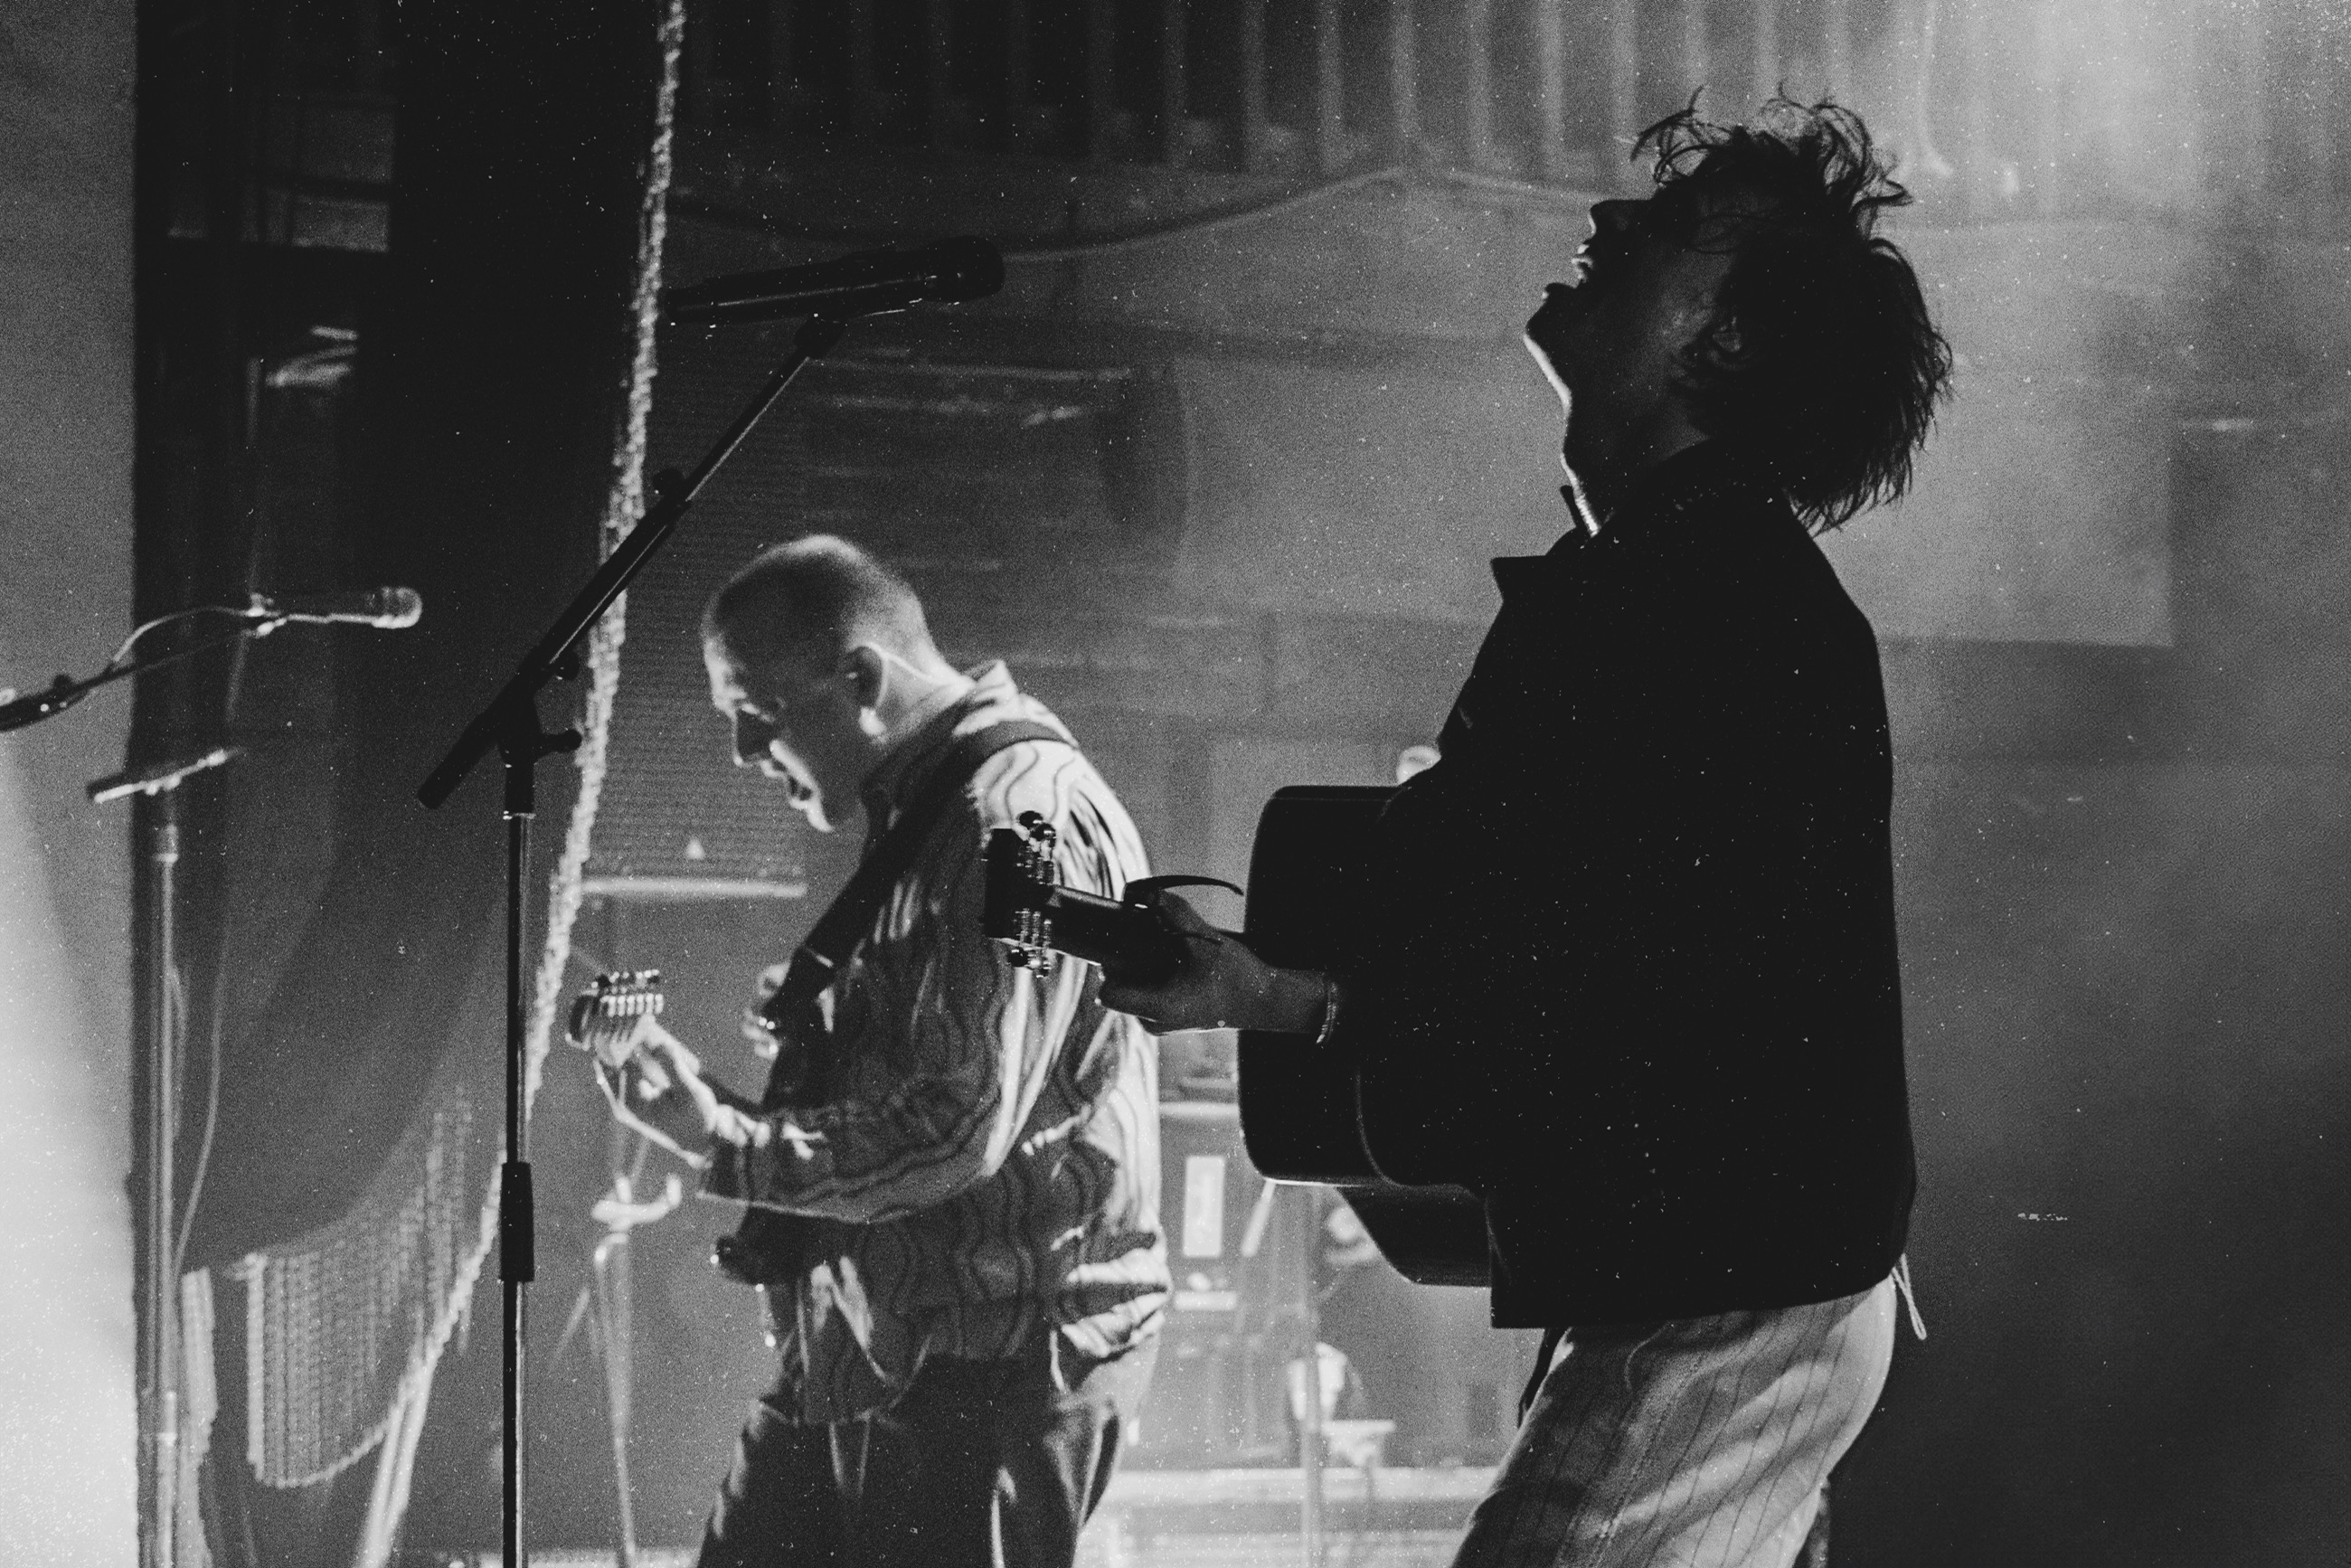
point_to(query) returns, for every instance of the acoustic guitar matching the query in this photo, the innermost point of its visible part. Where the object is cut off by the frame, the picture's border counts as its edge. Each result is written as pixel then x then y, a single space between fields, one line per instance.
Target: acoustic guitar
pixel 1300 1113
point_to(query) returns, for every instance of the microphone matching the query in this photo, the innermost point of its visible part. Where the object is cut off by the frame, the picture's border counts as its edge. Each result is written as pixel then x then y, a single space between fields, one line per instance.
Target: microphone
pixel 861 284
pixel 390 609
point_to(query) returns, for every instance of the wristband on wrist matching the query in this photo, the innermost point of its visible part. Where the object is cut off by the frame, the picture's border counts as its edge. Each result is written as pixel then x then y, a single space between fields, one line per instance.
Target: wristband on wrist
pixel 1330 1009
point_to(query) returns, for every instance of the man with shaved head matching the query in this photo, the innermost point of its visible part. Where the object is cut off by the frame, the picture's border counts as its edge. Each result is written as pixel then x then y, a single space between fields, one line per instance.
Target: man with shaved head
pixel 952 1180
pixel 818 654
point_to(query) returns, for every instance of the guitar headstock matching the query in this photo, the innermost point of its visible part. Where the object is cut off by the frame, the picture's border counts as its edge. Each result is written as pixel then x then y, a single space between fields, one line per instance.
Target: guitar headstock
pixel 604 1016
pixel 1018 901
pixel 1036 917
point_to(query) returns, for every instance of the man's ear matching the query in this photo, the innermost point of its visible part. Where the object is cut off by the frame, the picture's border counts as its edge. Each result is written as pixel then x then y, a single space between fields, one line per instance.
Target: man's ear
pixel 867 673
pixel 1722 345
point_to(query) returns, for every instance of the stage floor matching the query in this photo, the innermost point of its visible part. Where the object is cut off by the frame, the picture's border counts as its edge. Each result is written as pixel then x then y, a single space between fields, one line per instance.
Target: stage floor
pixel 1384 1518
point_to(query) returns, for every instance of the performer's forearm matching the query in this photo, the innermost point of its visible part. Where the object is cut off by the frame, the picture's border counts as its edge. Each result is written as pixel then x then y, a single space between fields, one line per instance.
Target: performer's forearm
pixel 864 1161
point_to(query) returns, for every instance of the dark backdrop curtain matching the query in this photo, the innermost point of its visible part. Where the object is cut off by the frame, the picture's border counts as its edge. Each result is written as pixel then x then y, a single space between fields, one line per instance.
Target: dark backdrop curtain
pixel 491 396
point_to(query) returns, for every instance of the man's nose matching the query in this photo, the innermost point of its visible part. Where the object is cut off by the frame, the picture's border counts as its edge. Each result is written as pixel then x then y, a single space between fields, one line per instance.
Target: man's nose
pixel 1614 217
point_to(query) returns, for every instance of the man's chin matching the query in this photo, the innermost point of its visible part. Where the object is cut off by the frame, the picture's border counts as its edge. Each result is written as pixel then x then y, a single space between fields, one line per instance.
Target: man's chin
pixel 812 807
pixel 1553 373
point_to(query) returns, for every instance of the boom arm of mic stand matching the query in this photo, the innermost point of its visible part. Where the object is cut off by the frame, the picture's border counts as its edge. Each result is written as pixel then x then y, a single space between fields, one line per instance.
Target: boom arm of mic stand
pixel 65 691
pixel 673 495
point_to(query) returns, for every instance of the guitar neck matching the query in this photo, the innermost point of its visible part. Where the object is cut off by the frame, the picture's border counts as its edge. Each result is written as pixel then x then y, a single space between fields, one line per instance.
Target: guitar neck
pixel 1113 934
pixel 603 1023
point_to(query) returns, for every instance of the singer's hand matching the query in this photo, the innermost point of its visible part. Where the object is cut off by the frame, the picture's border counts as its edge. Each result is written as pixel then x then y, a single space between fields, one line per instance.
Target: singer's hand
pixel 1218 984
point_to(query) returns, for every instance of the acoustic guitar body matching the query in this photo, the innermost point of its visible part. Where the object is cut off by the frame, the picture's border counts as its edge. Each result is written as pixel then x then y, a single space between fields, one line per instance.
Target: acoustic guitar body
pixel 1300 1119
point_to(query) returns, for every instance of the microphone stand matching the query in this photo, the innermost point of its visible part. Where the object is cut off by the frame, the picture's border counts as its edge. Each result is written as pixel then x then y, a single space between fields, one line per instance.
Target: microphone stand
pixel 511 725
pixel 160 1049
pixel 166 1044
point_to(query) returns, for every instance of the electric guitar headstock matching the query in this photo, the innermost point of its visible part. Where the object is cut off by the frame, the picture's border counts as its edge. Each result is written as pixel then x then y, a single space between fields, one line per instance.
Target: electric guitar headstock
pixel 1035 917
pixel 603 1020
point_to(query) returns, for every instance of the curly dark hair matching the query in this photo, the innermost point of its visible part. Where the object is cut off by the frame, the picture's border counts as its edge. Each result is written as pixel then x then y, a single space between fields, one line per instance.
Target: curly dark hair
pixel 1839 366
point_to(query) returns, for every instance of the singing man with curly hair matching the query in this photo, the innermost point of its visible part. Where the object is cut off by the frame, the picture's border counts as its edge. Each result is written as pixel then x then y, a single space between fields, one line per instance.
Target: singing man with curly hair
pixel 1629 971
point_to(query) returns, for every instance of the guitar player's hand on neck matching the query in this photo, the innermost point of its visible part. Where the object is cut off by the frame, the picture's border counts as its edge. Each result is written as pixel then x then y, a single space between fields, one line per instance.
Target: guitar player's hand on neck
pixel 672 1104
pixel 1219 984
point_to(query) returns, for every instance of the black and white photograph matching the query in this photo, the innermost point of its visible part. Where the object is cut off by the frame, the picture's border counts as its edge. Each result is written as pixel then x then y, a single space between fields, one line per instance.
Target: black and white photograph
pixel 1175 783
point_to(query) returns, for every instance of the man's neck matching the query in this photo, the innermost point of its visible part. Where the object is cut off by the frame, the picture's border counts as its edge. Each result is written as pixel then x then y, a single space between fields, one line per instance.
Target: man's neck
pixel 1601 473
pixel 927 695
pixel 925 701
pixel 924 696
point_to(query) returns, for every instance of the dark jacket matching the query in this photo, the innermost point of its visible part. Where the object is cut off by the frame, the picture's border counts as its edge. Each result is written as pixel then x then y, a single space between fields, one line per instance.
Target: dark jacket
pixel 1631 973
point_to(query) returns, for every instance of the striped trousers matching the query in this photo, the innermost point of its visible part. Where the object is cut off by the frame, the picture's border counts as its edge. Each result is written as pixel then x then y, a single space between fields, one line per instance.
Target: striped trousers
pixel 1696 1443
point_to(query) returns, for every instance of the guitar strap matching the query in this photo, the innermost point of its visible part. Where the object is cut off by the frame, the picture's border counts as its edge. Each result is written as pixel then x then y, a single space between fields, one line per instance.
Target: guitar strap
pixel 765 1248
